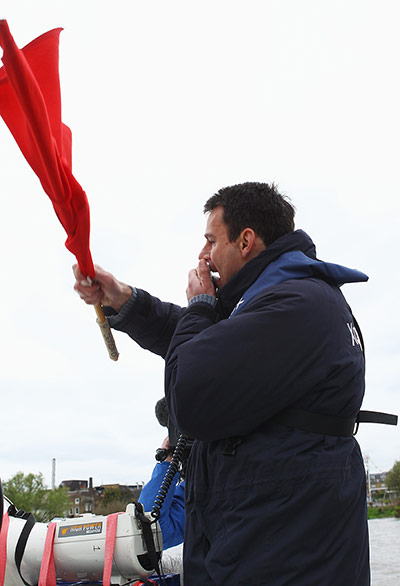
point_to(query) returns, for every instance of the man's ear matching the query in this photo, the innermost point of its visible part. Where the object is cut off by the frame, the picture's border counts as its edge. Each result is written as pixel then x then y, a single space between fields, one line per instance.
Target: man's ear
pixel 250 244
pixel 247 242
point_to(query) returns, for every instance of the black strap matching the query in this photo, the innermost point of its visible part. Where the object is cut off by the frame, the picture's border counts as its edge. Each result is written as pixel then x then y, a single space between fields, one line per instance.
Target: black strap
pixel 377 417
pixel 330 425
pixel 18 513
pixel 21 544
pixel 23 538
pixel 148 536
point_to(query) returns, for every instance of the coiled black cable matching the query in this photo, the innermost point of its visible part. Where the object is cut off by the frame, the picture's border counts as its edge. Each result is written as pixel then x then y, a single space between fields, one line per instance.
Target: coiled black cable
pixel 173 468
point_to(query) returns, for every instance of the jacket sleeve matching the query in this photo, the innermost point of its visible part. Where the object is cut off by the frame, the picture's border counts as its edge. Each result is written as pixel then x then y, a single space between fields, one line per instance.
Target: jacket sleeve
pixel 147 320
pixel 226 379
pixel 172 514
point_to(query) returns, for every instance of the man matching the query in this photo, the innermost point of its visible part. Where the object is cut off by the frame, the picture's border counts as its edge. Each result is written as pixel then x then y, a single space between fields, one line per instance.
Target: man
pixel 272 498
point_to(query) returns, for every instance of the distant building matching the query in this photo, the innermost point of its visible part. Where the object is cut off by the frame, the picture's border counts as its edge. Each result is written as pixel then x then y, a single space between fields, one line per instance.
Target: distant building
pixel 84 498
pixel 378 481
pixel 377 490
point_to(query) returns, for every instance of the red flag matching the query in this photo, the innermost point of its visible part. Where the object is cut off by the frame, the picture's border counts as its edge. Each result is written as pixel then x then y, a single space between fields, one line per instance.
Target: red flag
pixel 30 104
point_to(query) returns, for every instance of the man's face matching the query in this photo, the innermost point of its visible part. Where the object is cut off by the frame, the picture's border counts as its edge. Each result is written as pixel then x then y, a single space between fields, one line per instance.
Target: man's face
pixel 222 256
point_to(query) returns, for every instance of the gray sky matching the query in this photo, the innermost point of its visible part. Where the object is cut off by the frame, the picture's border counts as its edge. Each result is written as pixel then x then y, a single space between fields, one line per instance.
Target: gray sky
pixel 168 102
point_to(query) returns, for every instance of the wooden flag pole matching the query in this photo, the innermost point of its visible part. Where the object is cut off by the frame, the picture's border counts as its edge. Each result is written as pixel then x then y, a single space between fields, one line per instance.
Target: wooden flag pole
pixel 106 333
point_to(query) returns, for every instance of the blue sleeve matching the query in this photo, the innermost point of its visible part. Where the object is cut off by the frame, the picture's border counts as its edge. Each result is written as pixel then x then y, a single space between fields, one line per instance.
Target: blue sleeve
pixel 172 514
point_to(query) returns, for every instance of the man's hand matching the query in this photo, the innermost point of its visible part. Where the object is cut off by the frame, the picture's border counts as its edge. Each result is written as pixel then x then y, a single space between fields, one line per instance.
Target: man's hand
pixel 200 281
pixel 165 446
pixel 105 289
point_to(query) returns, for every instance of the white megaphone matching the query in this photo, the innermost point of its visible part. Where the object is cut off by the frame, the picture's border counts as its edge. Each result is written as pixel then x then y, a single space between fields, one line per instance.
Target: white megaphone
pixel 79 548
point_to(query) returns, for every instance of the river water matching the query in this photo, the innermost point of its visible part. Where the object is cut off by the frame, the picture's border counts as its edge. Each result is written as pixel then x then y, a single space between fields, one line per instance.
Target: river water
pixel 384 536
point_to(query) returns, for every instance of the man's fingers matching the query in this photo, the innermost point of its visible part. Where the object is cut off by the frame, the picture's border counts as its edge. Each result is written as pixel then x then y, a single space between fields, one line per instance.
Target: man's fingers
pixel 204 271
pixel 89 291
pixel 200 281
pixel 86 282
pixel 79 276
pixel 81 280
pixel 201 273
pixel 90 299
pixel 193 275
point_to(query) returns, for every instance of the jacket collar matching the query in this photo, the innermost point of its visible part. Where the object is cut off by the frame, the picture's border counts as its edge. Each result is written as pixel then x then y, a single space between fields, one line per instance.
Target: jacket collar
pixel 230 293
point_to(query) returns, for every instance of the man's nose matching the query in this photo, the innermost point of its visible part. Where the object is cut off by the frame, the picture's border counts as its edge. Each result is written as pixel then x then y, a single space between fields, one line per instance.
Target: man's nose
pixel 204 253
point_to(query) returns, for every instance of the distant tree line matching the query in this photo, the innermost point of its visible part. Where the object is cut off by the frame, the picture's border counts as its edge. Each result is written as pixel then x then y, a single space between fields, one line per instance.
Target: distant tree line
pixel 30 493
pixel 115 500
pixel 393 478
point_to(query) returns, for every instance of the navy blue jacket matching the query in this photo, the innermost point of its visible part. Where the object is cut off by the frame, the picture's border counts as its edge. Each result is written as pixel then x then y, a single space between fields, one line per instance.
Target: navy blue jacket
pixel 265 503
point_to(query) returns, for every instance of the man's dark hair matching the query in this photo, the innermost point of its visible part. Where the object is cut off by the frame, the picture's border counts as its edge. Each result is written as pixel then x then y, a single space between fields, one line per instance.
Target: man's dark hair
pixel 162 413
pixel 254 205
